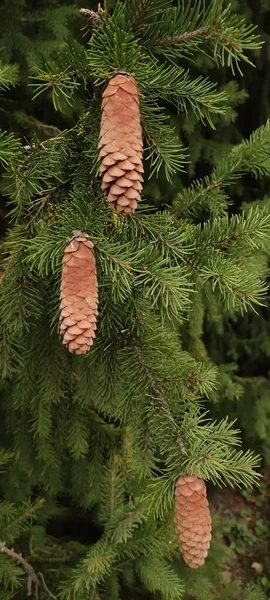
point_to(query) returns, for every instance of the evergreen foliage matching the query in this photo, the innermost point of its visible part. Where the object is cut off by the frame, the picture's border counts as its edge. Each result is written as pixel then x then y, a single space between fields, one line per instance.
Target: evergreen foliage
pixel 30 36
pixel 113 430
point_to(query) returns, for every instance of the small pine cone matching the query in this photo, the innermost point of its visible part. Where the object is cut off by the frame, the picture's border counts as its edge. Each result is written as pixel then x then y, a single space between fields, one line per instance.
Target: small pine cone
pixel 192 520
pixel 79 295
pixel 120 145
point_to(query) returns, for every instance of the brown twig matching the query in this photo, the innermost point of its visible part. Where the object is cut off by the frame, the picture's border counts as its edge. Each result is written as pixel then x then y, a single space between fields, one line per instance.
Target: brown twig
pixel 32 577
pixel 46 588
pixel 137 17
pixel 93 17
pixel 183 37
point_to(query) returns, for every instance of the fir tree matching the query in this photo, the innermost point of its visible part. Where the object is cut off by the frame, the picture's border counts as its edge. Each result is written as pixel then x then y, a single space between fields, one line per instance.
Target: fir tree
pixel 114 430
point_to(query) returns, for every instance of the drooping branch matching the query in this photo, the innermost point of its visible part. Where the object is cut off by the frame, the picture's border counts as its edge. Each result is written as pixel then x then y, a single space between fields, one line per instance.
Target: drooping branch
pixel 157 394
pixel 32 576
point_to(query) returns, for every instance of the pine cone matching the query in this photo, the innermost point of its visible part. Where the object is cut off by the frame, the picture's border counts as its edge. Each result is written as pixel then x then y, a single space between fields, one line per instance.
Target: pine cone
pixel 79 295
pixel 120 145
pixel 192 520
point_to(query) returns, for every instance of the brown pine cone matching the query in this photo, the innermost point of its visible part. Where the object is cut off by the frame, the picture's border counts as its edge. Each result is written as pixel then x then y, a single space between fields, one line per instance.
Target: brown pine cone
pixel 120 145
pixel 192 519
pixel 79 295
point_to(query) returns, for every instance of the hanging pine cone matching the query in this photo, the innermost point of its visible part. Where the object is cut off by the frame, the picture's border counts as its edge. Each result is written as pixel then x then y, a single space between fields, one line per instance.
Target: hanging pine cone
pixel 192 519
pixel 79 295
pixel 120 145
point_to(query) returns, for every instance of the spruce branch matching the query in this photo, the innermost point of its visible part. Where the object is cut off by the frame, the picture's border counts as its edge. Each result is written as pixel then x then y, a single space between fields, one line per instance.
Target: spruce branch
pixel 122 526
pixel 183 37
pixel 221 34
pixel 139 12
pixel 63 77
pixel 160 577
pixel 5 457
pixel 155 392
pixel 91 571
pixel 113 47
pixel 61 83
pixel 10 149
pixel 31 574
pixel 9 76
pixel 14 520
pixel 173 83
pixel 164 149
pixel 248 230
pixel 32 577
pixel 238 288
pixel 209 196
pixel 250 156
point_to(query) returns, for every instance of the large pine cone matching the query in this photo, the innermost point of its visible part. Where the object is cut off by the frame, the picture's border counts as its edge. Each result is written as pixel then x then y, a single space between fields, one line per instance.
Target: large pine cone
pixel 79 295
pixel 120 145
pixel 192 519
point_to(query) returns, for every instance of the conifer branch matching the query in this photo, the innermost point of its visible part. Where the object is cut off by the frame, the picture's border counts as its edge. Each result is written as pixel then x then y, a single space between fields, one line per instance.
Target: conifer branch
pixel 108 428
pixel 10 149
pixel 209 195
pixel 18 522
pixel 32 576
pixel 127 419
pixel 183 29
pixel 139 12
pixel 183 37
pixel 9 76
pixel 156 393
pixel 29 570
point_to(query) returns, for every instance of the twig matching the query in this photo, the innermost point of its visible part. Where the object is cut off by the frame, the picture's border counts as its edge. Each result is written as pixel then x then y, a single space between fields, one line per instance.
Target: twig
pixel 30 511
pixel 155 392
pixel 93 17
pixel 32 577
pixel 162 400
pixel 112 492
pixel 46 588
pixel 137 17
pixel 31 574
pixel 188 35
pixel 42 202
